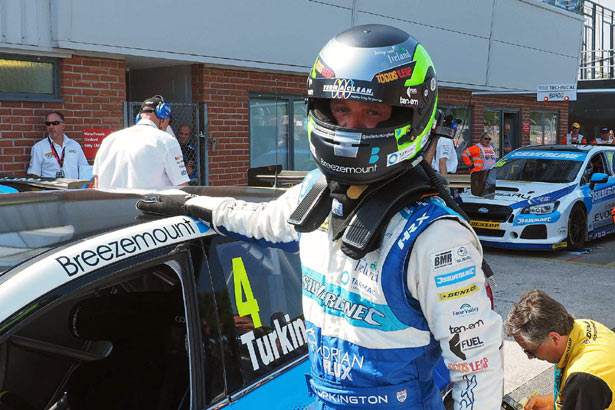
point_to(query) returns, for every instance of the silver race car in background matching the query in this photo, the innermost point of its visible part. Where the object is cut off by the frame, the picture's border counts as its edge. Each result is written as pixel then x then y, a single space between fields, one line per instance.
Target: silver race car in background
pixel 546 197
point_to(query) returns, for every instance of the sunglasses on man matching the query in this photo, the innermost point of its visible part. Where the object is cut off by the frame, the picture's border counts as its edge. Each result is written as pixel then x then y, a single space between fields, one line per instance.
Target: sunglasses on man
pixel 48 123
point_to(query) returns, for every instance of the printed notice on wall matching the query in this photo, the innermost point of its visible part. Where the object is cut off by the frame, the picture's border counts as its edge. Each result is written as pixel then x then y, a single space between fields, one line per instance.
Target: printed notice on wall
pixel 92 138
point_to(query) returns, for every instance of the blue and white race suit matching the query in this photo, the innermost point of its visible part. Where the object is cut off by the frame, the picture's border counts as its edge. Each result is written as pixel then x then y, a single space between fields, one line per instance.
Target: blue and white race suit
pixel 377 326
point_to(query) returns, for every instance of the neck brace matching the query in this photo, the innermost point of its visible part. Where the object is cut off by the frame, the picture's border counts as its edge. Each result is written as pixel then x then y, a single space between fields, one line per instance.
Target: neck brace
pixel 359 222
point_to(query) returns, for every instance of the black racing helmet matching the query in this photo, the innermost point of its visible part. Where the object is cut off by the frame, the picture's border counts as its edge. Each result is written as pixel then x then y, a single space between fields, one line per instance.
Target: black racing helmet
pixel 375 63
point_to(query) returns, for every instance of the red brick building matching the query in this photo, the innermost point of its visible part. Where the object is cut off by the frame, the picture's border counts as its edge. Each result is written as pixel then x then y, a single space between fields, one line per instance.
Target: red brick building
pixel 94 90
pixel 241 86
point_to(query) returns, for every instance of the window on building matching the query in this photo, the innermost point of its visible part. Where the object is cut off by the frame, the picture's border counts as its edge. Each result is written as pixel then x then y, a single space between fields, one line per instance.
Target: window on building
pixel 543 127
pixel 491 125
pixel 278 132
pixel 29 78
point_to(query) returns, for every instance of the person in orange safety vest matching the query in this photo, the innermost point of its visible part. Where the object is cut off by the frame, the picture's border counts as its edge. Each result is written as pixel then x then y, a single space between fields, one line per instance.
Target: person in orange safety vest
pixel 480 156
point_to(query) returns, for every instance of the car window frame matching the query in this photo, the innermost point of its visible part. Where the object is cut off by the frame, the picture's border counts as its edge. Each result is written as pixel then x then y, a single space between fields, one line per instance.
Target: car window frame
pixel 114 272
pixel 204 284
pixel 230 335
pixel 590 155
pixel 610 165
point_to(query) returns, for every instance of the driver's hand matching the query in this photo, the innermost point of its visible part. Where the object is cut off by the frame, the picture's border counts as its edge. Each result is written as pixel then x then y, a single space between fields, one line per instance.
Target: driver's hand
pixel 166 205
pixel 539 403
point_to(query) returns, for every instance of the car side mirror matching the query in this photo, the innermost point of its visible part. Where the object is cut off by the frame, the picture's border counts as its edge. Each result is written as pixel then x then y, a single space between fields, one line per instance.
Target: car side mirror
pixel 482 183
pixel 597 178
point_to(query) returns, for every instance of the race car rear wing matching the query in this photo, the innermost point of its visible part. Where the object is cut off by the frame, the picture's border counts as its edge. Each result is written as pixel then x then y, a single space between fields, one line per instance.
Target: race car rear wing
pixel 273 175
pixel 267 176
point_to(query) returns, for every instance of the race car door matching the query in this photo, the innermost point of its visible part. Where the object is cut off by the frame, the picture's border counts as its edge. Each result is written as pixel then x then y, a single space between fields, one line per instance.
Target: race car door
pixel 117 337
pixel 258 297
pixel 601 196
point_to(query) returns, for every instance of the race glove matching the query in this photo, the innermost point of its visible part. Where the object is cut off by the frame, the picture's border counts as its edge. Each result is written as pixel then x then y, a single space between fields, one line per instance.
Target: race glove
pixel 173 205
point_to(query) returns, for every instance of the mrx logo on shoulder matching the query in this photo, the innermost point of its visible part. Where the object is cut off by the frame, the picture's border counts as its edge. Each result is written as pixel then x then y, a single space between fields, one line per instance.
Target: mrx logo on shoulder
pixel 100 254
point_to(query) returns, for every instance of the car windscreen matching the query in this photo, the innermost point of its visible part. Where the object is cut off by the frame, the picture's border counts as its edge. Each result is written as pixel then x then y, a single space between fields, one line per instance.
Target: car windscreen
pixel 539 166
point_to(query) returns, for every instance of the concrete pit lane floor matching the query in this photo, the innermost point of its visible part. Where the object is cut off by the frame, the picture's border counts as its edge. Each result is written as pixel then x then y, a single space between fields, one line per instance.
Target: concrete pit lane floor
pixel 583 281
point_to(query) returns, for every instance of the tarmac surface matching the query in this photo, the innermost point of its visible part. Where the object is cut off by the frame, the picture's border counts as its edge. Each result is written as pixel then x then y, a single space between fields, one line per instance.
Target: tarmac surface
pixel 584 282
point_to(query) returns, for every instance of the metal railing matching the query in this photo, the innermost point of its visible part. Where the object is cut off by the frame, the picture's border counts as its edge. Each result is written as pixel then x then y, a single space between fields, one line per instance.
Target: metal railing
pixel 597 55
pixel 597 65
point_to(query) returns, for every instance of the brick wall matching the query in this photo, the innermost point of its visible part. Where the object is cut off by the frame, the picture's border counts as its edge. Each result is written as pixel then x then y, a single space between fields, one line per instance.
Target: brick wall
pixel 93 90
pixel 525 103
pixel 226 93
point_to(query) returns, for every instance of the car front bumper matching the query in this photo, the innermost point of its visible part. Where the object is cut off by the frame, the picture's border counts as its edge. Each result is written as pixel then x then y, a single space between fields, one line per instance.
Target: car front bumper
pixel 523 231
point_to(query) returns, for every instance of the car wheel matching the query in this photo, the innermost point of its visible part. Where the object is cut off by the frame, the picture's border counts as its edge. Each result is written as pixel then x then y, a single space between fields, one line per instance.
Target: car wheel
pixel 577 228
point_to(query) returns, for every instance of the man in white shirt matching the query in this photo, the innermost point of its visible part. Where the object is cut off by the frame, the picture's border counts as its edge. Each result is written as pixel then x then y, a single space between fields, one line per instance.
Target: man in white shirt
pixel 56 156
pixel 445 160
pixel 604 136
pixel 142 156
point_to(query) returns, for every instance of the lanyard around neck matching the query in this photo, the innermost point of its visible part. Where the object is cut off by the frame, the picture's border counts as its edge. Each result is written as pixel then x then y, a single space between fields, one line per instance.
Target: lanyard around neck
pixel 55 153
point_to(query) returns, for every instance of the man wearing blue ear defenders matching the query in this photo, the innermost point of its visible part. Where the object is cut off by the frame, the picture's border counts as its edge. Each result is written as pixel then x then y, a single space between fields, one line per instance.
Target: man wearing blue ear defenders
pixel 144 155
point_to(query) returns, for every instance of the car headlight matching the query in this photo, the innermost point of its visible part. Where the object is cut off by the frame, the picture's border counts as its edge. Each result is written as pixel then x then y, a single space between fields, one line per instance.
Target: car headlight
pixel 541 209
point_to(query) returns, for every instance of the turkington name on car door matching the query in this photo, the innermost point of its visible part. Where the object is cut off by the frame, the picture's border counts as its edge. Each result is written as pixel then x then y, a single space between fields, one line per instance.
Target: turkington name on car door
pixel 287 337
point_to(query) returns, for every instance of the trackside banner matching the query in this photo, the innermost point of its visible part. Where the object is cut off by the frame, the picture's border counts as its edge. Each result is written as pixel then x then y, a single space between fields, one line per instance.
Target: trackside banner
pixel 92 254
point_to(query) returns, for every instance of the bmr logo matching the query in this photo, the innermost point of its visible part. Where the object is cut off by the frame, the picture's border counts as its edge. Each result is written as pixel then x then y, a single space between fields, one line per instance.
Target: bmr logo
pixel 443 259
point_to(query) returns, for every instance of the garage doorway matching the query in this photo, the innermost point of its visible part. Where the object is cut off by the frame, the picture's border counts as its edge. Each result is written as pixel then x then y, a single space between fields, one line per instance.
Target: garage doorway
pixel 503 126
pixel 181 113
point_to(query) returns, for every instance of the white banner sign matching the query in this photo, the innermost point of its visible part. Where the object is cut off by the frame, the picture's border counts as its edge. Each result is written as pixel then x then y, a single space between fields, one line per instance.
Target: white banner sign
pixel 556 92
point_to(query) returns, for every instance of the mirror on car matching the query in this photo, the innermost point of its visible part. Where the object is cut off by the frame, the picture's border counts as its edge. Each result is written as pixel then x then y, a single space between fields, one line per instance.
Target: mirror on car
pixel 482 183
pixel 597 178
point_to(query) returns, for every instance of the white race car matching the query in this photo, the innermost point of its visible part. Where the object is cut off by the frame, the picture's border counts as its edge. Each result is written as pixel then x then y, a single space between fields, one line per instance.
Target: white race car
pixel 547 197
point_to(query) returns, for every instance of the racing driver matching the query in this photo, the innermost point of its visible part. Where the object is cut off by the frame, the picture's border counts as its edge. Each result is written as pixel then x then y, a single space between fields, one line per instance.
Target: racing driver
pixel 392 278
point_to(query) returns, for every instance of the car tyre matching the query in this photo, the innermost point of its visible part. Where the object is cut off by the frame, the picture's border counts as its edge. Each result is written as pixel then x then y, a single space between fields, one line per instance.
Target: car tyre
pixel 577 228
